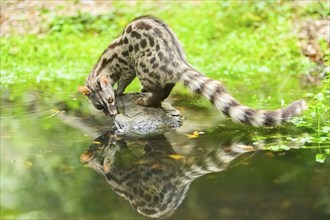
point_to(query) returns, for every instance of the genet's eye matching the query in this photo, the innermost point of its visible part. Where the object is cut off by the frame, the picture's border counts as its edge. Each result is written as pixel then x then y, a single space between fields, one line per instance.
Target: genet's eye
pixel 110 100
pixel 98 106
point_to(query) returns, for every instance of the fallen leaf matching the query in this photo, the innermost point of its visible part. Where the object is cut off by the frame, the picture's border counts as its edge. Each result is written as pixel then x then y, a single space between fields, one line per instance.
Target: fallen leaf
pixel 191 136
pixel 155 166
pixel 195 134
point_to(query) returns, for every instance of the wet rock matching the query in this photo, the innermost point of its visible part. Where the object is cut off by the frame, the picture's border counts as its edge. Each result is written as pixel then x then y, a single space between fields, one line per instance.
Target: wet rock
pixel 135 120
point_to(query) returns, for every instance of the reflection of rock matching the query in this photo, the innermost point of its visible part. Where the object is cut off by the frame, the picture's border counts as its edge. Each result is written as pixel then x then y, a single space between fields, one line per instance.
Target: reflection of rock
pixel 150 174
pixel 137 120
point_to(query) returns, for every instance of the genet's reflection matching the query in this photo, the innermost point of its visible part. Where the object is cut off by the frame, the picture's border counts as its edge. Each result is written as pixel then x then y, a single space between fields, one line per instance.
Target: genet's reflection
pixel 150 174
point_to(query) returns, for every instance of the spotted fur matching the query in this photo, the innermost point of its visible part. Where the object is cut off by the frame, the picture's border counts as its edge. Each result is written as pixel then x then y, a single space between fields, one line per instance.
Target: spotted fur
pixel 149 50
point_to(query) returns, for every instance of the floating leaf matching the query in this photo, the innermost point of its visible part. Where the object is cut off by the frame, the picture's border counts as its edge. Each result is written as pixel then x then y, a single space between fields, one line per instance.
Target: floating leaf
pixel 195 134
pixel 175 156
pixel 156 166
pixel 191 136
pixel 320 157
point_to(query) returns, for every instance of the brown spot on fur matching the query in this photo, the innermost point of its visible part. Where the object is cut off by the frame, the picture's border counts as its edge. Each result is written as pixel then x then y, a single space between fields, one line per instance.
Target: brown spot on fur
pixel 105 61
pixel 217 92
pixel 122 61
pixel 124 53
pixel 248 114
pixel 151 41
pixel 154 75
pixel 143 26
pixel 143 43
pixel 270 118
pixel 128 29
pixel 130 48
pixel 136 34
pixel 150 82
pixel 155 66
pixel 152 60
pixel 136 47
pixel 231 104
pixel 158 32
pixel 166 70
pixel 115 44
pixel 201 88
pixel 161 56
pixel 142 65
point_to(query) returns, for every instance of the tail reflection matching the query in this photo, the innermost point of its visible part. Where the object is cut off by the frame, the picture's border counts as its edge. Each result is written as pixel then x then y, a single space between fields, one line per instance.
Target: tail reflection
pixel 150 174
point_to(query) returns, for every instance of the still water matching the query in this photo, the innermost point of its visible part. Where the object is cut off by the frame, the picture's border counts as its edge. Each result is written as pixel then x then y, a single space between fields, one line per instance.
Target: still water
pixel 57 165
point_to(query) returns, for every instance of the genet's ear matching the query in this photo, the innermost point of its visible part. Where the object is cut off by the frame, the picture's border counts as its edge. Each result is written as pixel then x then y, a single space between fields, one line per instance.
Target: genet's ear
pixel 104 82
pixel 84 90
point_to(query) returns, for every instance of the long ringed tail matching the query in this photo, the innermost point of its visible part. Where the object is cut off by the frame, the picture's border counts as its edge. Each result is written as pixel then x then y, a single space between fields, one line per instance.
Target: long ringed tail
pixel 215 92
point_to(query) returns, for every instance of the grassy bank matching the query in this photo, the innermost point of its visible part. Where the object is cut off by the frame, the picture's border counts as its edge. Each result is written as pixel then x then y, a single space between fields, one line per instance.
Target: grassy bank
pixel 252 47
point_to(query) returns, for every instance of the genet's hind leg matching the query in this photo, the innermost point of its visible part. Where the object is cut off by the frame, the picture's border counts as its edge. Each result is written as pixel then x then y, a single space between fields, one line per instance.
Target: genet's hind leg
pixel 167 90
pixel 152 98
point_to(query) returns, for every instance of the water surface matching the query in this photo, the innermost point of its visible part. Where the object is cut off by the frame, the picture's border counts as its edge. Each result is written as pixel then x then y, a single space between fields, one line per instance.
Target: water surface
pixel 225 172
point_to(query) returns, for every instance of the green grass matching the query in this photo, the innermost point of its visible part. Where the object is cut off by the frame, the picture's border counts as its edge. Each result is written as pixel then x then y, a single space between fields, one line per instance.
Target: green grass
pixel 233 41
pixel 251 46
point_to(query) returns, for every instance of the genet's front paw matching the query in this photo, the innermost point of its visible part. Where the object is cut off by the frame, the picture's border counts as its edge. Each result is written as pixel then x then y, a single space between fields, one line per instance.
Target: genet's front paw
pixel 141 101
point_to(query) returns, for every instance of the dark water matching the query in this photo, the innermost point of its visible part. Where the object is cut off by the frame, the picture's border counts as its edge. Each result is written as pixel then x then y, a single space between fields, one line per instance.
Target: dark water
pixel 49 160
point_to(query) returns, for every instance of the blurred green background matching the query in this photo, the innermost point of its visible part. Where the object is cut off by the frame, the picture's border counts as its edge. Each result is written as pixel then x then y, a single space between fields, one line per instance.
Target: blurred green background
pixel 263 51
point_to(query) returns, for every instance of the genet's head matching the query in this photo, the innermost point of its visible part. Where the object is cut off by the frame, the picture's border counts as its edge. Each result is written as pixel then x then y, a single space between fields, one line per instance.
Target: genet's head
pixel 101 94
